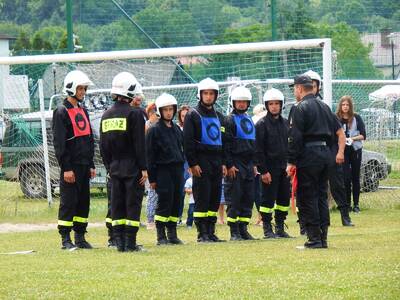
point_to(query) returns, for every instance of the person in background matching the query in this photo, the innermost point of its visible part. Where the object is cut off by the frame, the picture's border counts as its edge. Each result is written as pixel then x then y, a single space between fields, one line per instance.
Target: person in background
pixel 189 192
pixel 152 196
pixel 182 111
pixel 354 129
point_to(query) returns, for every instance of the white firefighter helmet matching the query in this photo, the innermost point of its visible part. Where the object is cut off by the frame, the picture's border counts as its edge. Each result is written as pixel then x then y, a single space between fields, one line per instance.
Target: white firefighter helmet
pixel 241 93
pixel 165 100
pixel 73 80
pixel 314 76
pixel 274 94
pixel 207 84
pixel 125 84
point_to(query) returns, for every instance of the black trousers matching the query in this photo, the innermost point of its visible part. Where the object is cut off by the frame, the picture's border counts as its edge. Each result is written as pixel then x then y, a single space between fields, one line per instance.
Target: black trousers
pixel 337 187
pixel 276 196
pixel 74 201
pixel 312 198
pixel 239 194
pixel 207 188
pixel 351 167
pixel 169 189
pixel 257 191
pixel 126 203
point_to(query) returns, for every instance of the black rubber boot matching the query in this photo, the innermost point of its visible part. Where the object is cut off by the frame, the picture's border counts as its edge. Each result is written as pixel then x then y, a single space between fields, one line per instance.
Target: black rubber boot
pixel 81 242
pixel 161 237
pixel 202 231
pixel 211 231
pixel 172 234
pixel 280 230
pixel 345 216
pixel 234 228
pixel 314 238
pixel 111 241
pixel 268 232
pixel 66 242
pixel 130 242
pixel 324 236
pixel 244 233
pixel 119 240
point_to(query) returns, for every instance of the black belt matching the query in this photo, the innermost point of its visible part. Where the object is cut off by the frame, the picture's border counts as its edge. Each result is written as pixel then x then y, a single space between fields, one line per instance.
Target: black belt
pixel 317 143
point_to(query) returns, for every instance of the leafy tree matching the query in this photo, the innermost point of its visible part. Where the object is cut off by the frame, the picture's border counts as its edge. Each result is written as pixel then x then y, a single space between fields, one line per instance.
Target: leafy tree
pixel 22 42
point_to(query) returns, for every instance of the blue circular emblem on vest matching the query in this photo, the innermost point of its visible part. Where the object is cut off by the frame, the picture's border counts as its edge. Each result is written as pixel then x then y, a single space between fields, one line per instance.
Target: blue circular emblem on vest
pixel 211 131
pixel 244 127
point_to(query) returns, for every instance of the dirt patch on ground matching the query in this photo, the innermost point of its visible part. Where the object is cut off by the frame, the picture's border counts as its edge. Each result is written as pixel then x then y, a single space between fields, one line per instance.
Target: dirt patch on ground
pixel 23 227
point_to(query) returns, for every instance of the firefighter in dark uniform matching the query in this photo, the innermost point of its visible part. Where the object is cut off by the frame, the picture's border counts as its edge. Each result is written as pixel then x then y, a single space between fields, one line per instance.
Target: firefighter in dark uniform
pixel 336 174
pixel 136 103
pixel 310 132
pixel 165 159
pixel 272 150
pixel 239 151
pixel 74 149
pixel 202 130
pixel 122 148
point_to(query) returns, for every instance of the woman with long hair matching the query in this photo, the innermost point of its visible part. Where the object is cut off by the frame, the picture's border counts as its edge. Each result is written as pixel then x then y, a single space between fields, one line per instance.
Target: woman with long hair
pixel 354 129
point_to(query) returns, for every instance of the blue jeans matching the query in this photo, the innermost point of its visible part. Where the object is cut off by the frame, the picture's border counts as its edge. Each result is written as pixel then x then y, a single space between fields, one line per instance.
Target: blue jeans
pixel 152 199
pixel 189 221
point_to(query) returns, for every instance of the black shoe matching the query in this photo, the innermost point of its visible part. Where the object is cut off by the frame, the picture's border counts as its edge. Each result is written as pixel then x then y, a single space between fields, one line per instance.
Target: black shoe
pixel 172 234
pixel 81 242
pixel 234 229
pixel 244 233
pixel 346 220
pixel 268 232
pixel 130 243
pixel 314 238
pixel 356 209
pixel 280 231
pixel 66 243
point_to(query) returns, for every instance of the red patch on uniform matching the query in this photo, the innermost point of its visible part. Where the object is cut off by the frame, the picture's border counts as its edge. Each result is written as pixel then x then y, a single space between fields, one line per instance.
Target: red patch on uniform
pixel 80 122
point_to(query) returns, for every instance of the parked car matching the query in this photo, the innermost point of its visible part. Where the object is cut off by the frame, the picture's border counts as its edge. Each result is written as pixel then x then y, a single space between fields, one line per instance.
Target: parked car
pixel 22 154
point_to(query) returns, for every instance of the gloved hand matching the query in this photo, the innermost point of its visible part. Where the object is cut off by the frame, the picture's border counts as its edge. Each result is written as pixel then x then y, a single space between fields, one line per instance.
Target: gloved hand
pixel 349 141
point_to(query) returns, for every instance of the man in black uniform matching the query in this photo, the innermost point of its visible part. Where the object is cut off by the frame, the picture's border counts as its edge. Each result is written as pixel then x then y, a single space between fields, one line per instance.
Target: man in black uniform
pixel 272 150
pixel 122 148
pixel 239 150
pixel 202 132
pixel 336 174
pixel 164 146
pixel 310 132
pixel 74 148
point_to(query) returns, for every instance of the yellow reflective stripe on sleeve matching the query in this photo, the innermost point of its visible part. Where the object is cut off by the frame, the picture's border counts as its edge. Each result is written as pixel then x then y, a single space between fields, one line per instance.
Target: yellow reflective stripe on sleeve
pixel 65 223
pixel 197 214
pixel 173 219
pixel 161 218
pixel 80 219
pixel 266 210
pixel 222 129
pixel 132 223
pixel 211 213
pixel 242 219
pixel 232 220
pixel 281 208
pixel 108 220
pixel 118 222
pixel 113 124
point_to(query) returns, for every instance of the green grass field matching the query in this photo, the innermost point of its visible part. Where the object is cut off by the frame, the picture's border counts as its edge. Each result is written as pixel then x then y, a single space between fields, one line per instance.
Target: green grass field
pixel 361 263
